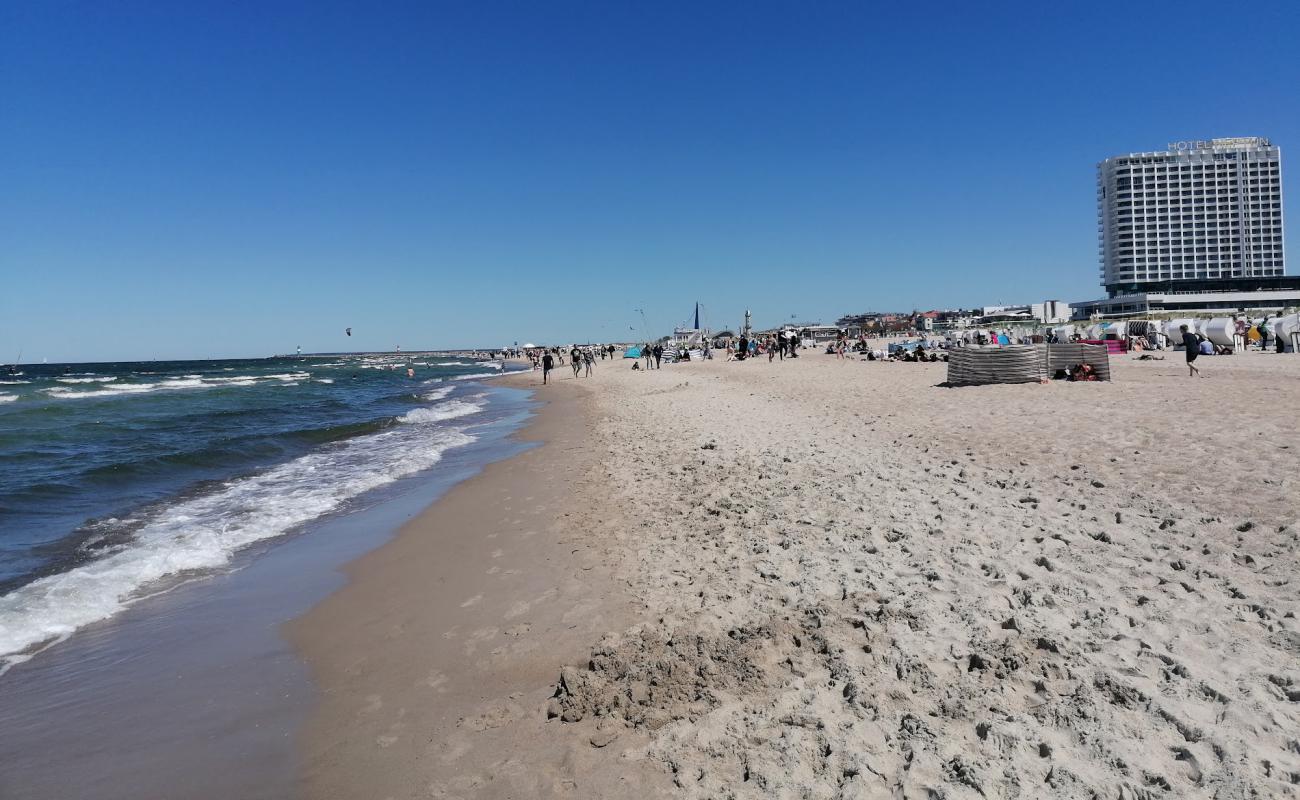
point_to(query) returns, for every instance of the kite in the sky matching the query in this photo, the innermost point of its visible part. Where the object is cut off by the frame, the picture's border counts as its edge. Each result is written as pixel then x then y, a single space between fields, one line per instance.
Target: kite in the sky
pixel 349 331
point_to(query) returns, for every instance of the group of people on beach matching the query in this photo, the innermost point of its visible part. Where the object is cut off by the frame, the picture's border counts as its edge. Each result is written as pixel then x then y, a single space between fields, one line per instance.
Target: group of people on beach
pixel 785 344
pixel 581 357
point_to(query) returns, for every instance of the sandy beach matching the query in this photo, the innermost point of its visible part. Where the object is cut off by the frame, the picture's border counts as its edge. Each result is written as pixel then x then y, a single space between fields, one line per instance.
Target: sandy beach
pixel 830 579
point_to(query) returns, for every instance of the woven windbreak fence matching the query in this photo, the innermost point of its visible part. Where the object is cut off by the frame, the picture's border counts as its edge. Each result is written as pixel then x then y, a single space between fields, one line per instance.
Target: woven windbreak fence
pixel 972 366
pixel 1069 356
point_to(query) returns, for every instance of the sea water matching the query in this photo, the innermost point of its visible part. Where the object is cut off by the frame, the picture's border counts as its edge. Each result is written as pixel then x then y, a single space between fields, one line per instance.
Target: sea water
pixel 120 481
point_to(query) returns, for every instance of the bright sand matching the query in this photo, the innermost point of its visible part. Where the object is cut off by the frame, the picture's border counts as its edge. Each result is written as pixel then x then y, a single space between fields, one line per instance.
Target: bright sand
pixel 837 579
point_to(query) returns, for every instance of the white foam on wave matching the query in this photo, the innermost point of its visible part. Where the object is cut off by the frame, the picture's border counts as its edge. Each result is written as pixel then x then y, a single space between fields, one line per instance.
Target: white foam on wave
pixel 324 380
pixel 12 383
pixel 475 376
pixel 173 383
pixel 453 364
pixel 204 532
pixel 438 394
pixel 87 380
pixel 8 398
pixel 61 393
pixel 452 409
pixel 233 379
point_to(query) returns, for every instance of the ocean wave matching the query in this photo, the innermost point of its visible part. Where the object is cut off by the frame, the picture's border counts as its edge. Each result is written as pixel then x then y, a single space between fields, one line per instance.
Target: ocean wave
pixel 452 409
pixel 203 533
pixel 8 398
pixel 324 380
pixel 87 380
pixel 61 393
pixel 438 394
pixel 12 383
pixel 474 376
pixel 174 383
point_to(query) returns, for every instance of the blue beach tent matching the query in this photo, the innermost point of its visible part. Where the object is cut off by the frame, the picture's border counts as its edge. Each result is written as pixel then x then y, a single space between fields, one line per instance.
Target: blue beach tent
pixel 632 352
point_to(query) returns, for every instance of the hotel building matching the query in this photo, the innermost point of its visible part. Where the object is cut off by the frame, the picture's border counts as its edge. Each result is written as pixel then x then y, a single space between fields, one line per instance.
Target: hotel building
pixel 1195 227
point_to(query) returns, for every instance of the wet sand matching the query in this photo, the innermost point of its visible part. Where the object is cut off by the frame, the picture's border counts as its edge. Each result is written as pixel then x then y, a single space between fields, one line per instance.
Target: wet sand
pixel 437 660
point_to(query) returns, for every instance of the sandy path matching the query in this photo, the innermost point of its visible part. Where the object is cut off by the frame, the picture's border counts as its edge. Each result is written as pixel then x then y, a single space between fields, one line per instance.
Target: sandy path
pixel 855 583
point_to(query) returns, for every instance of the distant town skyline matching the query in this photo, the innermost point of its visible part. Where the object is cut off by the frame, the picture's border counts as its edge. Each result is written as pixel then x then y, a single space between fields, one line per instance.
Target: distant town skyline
pixel 200 181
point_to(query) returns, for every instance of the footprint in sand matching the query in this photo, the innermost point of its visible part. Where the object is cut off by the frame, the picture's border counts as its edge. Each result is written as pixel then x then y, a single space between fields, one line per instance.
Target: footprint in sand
pixel 518 630
pixel 478 637
pixel 497 553
pixel 517 608
pixel 472 601
pixel 436 680
pixel 493 570
pixel 374 702
pixel 580 611
pixel 453 752
pixel 494 715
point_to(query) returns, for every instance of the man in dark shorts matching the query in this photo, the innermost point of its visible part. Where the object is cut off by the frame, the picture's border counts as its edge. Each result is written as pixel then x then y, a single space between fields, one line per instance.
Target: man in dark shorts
pixel 548 361
pixel 1192 348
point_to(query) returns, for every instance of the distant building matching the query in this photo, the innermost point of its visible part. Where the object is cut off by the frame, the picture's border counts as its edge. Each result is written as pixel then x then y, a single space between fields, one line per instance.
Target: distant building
pixel 1195 227
pixel 1200 210
pixel 1048 311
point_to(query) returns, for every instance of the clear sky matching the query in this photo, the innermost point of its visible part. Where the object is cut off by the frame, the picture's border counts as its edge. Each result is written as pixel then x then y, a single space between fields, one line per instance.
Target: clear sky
pixel 238 178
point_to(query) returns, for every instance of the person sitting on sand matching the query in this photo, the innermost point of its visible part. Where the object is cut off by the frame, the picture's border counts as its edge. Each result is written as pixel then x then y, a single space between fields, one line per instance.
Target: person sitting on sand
pixel 1083 372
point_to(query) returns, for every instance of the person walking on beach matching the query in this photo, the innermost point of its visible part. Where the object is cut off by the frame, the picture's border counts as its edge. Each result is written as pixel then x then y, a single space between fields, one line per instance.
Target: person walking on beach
pixel 1192 349
pixel 588 361
pixel 659 354
pixel 575 360
pixel 1263 334
pixel 548 362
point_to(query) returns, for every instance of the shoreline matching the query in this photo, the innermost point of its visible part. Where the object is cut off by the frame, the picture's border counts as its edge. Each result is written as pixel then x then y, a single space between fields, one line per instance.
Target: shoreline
pixel 436 660
pixel 195 689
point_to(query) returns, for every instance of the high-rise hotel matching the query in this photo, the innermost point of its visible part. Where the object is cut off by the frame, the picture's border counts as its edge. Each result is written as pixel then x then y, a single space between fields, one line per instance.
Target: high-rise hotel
pixel 1198 225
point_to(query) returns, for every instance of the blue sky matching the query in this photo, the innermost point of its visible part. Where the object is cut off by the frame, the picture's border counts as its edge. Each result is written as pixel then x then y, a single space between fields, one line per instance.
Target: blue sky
pixel 237 179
